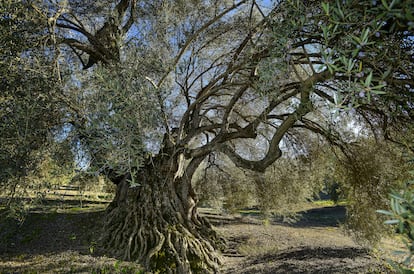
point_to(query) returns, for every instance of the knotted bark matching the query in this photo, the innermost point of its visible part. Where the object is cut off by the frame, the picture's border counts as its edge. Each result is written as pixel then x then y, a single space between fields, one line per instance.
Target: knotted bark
pixel 157 224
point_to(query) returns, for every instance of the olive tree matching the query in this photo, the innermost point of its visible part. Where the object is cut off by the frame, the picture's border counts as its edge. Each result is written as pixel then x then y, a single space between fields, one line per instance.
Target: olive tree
pixel 152 88
pixel 29 104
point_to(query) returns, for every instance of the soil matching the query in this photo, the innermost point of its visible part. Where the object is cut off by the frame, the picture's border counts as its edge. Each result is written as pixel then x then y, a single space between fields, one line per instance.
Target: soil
pixel 314 244
pixel 65 241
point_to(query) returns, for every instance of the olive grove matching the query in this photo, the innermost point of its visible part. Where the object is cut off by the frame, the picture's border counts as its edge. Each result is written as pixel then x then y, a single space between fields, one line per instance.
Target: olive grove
pixel 145 91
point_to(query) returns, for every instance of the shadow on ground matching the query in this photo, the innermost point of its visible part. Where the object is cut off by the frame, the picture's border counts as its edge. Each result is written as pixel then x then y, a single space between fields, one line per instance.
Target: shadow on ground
pixel 315 261
pixel 321 217
pixel 331 216
pixel 58 240
pixel 313 244
pixel 65 242
pixel 48 232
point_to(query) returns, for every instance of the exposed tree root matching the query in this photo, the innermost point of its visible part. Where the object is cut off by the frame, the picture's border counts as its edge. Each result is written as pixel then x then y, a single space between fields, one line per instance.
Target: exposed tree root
pixel 158 226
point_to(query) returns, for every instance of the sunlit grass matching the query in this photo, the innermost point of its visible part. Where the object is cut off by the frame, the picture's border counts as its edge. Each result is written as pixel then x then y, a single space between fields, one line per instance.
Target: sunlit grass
pixel 327 203
pixel 87 208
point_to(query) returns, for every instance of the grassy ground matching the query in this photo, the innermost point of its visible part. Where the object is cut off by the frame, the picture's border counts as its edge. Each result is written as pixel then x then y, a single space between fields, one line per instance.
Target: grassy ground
pixel 313 244
pixel 64 240
pixel 58 240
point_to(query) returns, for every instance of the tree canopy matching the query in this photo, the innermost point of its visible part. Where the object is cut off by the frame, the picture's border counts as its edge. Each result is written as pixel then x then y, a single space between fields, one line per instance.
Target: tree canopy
pixel 145 91
pixel 239 73
pixel 217 73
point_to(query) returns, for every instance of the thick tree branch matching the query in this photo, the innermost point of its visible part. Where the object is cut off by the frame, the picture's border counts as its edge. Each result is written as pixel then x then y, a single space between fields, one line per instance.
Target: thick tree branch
pixel 274 151
pixel 104 44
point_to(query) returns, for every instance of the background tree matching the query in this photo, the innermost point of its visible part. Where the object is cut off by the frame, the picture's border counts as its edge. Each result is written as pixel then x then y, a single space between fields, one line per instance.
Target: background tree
pixel 29 101
pixel 178 81
pixel 366 183
pixel 281 190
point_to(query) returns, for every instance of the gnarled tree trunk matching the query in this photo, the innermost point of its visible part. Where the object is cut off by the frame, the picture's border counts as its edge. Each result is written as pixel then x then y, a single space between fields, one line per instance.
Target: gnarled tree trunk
pixel 157 224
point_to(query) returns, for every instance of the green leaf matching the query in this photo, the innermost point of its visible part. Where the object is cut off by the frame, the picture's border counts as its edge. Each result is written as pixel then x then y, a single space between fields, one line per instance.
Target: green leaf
pixel 325 7
pixel 392 4
pixel 386 73
pixel 332 68
pixel 356 39
pixel 385 212
pixel 378 92
pixel 364 36
pixel 385 4
pixel 399 252
pixel 409 15
pixel 396 196
pixel 391 222
pixel 351 64
pixel 325 32
pixel 339 10
pixel 355 52
pixel 368 80
pixel 395 206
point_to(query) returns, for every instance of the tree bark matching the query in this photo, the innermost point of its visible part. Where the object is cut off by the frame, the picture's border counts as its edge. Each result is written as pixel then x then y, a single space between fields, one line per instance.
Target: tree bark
pixel 157 224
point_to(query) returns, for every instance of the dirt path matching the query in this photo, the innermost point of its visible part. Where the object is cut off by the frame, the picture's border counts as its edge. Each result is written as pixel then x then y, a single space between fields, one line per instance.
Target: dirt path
pixel 65 242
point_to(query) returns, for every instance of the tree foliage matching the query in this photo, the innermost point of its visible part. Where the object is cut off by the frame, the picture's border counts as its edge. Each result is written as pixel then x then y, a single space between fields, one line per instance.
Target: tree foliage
pixel 209 76
pixel 29 103
pixel 144 91
pixel 401 217
pixel 366 182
